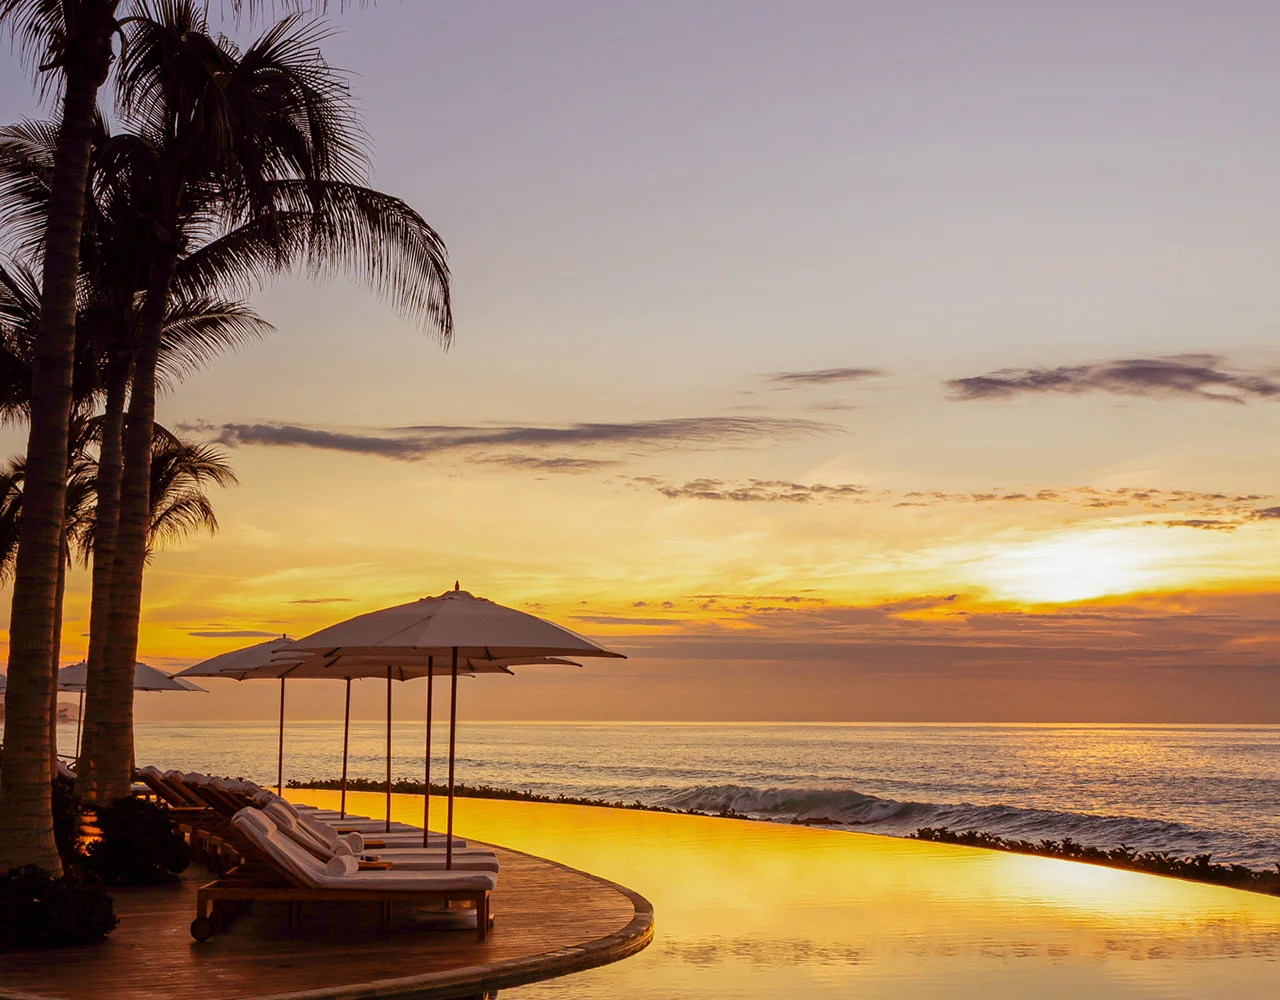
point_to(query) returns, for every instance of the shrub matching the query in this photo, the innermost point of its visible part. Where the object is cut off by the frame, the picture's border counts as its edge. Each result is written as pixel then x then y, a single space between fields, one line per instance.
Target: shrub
pixel 139 845
pixel 67 811
pixel 40 911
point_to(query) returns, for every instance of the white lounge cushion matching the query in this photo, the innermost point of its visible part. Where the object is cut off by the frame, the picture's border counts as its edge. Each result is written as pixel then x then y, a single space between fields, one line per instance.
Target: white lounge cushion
pixel 261 832
pixel 468 860
pixel 342 864
pixel 295 831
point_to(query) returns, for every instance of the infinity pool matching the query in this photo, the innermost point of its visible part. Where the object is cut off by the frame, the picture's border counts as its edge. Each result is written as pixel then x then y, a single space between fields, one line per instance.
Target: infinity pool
pixel 748 909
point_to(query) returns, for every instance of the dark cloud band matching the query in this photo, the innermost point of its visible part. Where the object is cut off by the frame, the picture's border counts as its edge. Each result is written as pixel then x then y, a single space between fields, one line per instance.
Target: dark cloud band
pixel 819 377
pixel 1187 376
pixel 416 443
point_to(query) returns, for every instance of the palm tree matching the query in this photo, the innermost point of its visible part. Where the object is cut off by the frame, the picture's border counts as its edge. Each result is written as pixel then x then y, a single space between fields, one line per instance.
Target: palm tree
pixel 70 41
pixel 247 163
pixel 180 507
pixel 115 240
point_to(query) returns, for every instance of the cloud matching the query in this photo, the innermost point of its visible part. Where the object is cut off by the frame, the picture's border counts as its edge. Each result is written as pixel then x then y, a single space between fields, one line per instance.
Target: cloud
pixel 320 600
pixel 1194 503
pixel 756 490
pixel 1267 514
pixel 506 442
pixel 819 377
pixel 234 634
pixel 1193 376
pixel 1205 524
pixel 625 620
pixel 558 463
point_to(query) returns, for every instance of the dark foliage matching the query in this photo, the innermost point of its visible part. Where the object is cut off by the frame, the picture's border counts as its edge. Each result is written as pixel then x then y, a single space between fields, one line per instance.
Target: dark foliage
pixel 40 911
pixel 67 811
pixel 1200 868
pixel 139 845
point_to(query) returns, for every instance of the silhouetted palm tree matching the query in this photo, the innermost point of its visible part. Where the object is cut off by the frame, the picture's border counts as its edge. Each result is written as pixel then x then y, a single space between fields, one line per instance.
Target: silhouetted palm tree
pixel 181 470
pixel 246 163
pixel 70 42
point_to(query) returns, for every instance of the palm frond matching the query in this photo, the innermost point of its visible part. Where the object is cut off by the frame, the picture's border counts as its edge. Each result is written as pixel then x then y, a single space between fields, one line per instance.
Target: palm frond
pixel 198 329
pixel 331 228
pixel 181 469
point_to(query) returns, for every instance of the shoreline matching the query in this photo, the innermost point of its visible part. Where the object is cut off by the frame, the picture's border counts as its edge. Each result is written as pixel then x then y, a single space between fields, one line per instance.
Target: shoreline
pixel 1197 868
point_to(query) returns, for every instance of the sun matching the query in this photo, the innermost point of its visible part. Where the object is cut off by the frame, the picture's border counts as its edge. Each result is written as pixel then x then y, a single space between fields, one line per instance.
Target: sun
pixel 1074 567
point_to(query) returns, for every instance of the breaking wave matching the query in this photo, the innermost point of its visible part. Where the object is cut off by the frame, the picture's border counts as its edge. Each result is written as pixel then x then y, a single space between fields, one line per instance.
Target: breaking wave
pixel 851 809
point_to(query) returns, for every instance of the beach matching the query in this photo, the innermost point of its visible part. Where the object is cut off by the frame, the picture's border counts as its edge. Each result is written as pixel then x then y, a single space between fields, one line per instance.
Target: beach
pixel 752 910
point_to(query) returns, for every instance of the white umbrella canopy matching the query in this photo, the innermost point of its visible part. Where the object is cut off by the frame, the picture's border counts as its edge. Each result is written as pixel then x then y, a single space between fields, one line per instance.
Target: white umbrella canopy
pixel 145 678
pixel 279 659
pixel 238 661
pixel 457 625
pixel 456 621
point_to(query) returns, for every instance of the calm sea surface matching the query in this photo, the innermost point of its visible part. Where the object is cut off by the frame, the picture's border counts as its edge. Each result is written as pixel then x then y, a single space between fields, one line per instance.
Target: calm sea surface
pixel 1185 789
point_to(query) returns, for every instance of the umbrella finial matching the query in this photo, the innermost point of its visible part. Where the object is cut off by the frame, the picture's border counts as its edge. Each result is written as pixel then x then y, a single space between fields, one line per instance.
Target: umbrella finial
pixel 456 585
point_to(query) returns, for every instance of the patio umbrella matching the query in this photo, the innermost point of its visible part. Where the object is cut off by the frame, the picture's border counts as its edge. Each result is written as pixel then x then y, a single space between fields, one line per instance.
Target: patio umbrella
pixel 457 625
pixel 241 664
pixel 145 678
pixel 401 667
pixel 277 658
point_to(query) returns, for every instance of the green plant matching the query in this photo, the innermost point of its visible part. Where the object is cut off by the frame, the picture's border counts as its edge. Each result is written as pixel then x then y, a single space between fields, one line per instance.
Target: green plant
pixel 139 845
pixel 39 910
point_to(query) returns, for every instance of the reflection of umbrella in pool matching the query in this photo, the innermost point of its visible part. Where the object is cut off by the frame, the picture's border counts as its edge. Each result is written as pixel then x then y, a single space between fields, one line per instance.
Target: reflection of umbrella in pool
pixel 256 662
pixel 456 625
pixel 145 678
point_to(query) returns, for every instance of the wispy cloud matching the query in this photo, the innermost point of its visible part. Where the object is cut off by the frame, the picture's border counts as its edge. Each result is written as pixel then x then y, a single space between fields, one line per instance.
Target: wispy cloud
pixel 758 491
pixel 321 600
pixel 522 445
pixel 1183 508
pixel 819 377
pixel 626 620
pixel 1089 497
pixel 234 634
pixel 554 463
pixel 1192 376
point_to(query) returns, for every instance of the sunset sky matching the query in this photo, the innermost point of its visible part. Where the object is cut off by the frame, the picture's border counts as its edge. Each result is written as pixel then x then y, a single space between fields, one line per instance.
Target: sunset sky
pixel 910 361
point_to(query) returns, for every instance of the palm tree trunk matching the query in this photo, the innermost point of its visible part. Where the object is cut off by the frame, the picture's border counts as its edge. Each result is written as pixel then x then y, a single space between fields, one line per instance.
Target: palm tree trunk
pixel 106 520
pixel 57 654
pixel 112 758
pixel 26 817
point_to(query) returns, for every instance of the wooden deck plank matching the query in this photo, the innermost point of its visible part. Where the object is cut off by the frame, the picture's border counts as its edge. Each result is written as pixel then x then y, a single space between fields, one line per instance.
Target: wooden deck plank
pixel 550 920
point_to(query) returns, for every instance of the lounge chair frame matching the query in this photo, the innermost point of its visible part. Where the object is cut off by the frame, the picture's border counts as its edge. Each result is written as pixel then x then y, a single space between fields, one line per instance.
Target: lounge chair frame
pixel 259 879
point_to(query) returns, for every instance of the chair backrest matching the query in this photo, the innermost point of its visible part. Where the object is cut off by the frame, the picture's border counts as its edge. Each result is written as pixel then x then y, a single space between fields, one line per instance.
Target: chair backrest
pixel 299 834
pixel 154 779
pixel 279 852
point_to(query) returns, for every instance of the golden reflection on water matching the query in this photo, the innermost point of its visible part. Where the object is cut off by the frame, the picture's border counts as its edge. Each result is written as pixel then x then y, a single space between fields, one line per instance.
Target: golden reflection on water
pixel 749 909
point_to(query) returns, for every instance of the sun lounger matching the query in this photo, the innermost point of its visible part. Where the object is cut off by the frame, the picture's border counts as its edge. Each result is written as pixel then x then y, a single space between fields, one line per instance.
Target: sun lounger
pixel 366 836
pixel 289 874
pixel 420 860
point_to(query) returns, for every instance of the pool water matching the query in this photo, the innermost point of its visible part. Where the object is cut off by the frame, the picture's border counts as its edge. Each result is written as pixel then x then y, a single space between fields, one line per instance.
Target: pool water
pixel 748 909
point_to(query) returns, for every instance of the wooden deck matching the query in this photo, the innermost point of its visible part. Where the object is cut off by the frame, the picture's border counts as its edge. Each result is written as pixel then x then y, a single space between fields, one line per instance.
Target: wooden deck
pixel 550 920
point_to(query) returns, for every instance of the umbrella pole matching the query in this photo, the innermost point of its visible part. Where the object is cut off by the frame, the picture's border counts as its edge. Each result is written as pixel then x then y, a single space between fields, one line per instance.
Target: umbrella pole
pixel 346 735
pixel 426 798
pixel 79 723
pixel 453 728
pixel 388 749
pixel 280 754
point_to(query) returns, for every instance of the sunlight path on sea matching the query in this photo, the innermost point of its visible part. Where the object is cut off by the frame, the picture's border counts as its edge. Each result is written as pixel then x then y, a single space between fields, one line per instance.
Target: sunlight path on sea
pixel 747 909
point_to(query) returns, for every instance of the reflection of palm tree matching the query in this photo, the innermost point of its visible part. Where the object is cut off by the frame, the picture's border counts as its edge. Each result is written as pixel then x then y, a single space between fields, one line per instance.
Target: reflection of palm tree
pixel 260 149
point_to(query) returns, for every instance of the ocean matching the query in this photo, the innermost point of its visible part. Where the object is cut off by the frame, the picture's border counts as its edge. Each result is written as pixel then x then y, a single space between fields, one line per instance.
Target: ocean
pixel 1183 789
